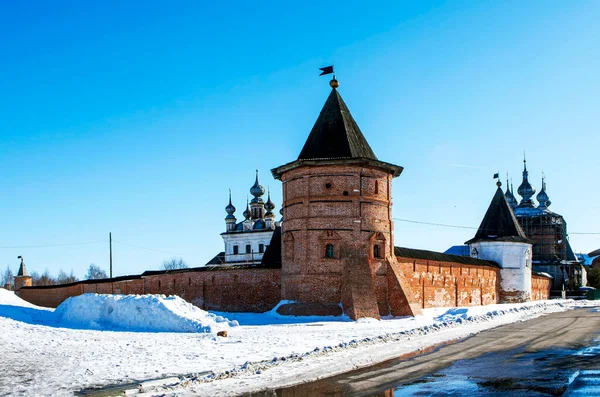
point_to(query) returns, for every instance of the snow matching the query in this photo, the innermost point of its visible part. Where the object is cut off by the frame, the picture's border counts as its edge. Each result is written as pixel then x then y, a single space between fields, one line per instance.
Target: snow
pixel 146 313
pixel 271 352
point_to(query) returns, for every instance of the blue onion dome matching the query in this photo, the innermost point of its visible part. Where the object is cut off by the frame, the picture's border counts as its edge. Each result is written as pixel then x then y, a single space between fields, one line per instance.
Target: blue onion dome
pixel 269 206
pixel 542 196
pixel 230 209
pixel 525 190
pixel 257 190
pixel 247 213
pixel 510 198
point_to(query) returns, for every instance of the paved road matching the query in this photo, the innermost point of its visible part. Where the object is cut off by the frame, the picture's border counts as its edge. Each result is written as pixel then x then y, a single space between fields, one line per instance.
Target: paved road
pixel 557 354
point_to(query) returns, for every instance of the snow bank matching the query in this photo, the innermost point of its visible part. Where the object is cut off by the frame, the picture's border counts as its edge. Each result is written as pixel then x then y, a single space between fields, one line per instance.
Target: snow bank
pixel 9 298
pixel 146 313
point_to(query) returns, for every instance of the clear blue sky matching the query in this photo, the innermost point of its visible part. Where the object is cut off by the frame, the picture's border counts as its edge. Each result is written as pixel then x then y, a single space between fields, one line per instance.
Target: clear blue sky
pixel 136 118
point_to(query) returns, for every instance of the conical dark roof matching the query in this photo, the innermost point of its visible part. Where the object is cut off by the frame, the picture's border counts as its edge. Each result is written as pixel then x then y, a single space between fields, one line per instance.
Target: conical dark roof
pixel 336 134
pixel 499 223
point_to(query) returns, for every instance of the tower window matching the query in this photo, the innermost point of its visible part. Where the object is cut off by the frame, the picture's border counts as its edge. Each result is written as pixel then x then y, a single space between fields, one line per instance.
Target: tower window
pixel 236 250
pixel 328 185
pixel 376 187
pixel 329 251
pixel 345 193
pixel 376 253
pixel 261 248
pixel 248 249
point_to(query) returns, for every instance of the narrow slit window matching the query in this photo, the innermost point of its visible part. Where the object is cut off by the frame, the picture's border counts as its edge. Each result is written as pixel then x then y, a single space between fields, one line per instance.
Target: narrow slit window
pixel 376 253
pixel 376 187
pixel 329 251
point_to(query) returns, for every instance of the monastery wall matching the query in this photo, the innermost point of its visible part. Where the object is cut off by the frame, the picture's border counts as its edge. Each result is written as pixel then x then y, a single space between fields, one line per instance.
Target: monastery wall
pixel 242 289
pixel 449 284
pixel 540 287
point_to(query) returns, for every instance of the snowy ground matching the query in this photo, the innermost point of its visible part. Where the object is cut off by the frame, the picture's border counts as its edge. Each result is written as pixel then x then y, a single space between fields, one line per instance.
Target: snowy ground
pixel 51 353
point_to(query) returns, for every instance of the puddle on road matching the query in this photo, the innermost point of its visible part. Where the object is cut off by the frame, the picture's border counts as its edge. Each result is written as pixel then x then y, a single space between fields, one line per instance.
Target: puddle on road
pixel 553 372
pixel 558 372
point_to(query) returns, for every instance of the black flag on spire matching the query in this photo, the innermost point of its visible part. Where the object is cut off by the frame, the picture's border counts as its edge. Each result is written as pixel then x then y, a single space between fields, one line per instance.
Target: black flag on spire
pixel 326 70
pixel 497 175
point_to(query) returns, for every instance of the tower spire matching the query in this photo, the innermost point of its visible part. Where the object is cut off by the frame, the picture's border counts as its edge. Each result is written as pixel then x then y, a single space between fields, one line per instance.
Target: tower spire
pixel 525 190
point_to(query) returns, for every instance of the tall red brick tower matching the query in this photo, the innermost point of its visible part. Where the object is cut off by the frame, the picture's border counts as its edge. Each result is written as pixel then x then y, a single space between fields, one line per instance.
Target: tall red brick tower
pixel 337 232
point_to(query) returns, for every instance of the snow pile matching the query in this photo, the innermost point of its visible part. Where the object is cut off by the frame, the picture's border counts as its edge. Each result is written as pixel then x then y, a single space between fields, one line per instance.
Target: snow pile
pixel 146 313
pixel 9 298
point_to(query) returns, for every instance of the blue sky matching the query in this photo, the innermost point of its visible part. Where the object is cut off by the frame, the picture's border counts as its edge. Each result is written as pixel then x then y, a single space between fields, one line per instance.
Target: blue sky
pixel 136 118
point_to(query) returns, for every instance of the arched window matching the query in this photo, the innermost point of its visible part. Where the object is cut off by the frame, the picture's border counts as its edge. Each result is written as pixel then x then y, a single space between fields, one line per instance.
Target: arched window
pixel 376 251
pixel 329 251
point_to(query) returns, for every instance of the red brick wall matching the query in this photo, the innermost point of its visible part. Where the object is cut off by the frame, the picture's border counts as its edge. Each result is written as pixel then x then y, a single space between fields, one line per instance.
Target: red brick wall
pixel 448 284
pixel 49 297
pixel 540 287
pixel 249 290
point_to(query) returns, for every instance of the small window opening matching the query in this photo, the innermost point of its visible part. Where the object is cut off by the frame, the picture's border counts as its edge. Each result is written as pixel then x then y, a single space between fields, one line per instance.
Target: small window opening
pixel 376 251
pixel 345 193
pixel 261 248
pixel 248 249
pixel 190 281
pixel 328 185
pixel 158 284
pixel 173 283
pixel 236 250
pixel 329 251
pixel 376 187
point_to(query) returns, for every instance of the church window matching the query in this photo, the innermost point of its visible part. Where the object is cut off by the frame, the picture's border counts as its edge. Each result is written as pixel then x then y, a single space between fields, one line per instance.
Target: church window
pixel 261 248
pixel 248 249
pixel 474 253
pixel 376 253
pixel 329 253
pixel 236 250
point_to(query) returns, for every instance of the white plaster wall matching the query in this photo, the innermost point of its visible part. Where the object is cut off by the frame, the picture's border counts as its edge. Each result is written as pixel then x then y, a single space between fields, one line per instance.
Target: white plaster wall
pixel 241 239
pixel 515 261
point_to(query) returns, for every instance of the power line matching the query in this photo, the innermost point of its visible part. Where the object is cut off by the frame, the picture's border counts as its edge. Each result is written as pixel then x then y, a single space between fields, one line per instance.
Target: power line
pixel 144 248
pixel 435 224
pixel 52 245
pixel 467 227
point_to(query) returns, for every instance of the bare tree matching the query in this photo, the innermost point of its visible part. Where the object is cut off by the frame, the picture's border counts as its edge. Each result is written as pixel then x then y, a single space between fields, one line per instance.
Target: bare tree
pixel 46 279
pixel 95 273
pixel 7 277
pixel 174 264
pixel 64 278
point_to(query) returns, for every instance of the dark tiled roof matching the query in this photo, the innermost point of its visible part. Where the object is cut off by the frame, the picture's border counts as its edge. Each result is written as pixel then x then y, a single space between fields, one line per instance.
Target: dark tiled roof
pixel 499 223
pixel 219 259
pixel 336 134
pixel 272 256
pixel 437 256
pixel 595 253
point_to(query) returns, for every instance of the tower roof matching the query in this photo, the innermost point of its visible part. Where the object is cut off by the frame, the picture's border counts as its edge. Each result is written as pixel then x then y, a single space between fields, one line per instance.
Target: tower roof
pixel 336 134
pixel 336 139
pixel 499 222
pixel 22 269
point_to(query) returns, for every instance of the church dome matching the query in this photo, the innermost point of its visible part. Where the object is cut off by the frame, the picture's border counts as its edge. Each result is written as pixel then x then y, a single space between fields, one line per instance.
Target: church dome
pixel 230 209
pixel 247 213
pixel 526 190
pixel 542 196
pixel 257 190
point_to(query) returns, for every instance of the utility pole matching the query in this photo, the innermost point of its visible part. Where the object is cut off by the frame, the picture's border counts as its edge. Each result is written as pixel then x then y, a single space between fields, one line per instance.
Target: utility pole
pixel 110 246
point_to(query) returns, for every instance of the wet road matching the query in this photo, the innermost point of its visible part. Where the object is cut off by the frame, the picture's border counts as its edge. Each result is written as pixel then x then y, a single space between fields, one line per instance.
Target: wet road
pixel 556 355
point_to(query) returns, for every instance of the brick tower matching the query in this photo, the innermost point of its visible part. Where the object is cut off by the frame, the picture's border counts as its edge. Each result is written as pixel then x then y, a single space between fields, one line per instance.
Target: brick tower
pixel 337 233
pixel 22 279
